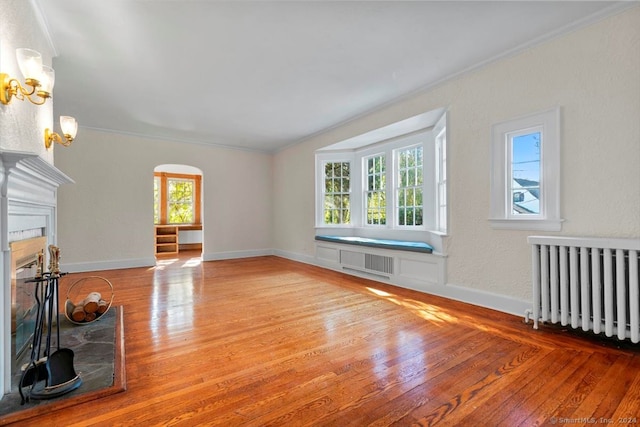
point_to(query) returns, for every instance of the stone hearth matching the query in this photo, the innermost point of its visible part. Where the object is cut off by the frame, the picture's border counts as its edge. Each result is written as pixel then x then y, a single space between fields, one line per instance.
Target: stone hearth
pixel 98 359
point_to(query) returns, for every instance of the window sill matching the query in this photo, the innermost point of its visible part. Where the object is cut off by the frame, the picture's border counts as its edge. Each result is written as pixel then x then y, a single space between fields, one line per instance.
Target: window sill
pixel 526 224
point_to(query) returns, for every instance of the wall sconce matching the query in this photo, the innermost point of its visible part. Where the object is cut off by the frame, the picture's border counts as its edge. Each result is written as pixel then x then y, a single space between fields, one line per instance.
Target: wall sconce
pixel 39 77
pixel 69 127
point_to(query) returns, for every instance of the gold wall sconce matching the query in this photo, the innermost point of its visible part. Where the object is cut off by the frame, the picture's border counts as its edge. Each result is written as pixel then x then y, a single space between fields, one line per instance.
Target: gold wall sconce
pixel 69 127
pixel 40 78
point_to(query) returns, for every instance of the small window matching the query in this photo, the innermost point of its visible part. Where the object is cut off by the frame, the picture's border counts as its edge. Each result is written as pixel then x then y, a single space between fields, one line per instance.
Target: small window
pixel 176 198
pixel 525 173
pixel 376 192
pixel 409 190
pixel 180 200
pixel 337 193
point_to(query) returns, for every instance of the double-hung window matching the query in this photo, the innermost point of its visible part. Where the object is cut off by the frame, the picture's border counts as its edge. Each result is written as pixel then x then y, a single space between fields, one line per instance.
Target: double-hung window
pixel 393 187
pixel 409 186
pixel 336 192
pixel 376 190
pixel 525 173
pixel 389 189
pixel 176 198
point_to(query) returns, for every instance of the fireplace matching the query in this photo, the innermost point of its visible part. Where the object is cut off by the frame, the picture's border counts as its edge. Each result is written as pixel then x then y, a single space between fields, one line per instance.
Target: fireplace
pixel 28 209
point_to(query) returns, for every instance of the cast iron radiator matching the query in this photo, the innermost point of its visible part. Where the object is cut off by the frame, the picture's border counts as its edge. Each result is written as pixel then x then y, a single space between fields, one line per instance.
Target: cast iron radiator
pixel 589 283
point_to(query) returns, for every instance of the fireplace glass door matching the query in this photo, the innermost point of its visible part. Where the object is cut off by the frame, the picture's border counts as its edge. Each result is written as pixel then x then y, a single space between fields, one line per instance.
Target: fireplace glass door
pixel 24 260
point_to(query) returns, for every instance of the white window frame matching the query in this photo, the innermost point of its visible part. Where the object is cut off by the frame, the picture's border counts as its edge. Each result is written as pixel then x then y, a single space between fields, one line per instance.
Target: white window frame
pixel 390 149
pixel 397 188
pixel 365 193
pixel 359 185
pixel 387 139
pixel 321 160
pixel 442 197
pixel 548 124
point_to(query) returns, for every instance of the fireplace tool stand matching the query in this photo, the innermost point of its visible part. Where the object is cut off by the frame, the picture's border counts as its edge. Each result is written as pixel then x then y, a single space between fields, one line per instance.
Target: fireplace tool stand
pixel 53 374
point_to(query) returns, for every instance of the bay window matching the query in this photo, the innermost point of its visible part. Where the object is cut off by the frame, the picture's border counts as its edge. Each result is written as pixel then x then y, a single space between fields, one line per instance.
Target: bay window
pixel 385 189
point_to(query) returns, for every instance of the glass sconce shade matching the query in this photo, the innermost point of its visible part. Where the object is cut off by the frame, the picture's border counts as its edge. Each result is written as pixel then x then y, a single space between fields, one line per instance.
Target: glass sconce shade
pixel 30 63
pixel 38 79
pixel 47 79
pixel 69 126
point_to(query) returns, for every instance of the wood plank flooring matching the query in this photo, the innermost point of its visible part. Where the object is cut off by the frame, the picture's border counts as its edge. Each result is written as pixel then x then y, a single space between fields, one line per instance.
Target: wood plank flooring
pixel 271 342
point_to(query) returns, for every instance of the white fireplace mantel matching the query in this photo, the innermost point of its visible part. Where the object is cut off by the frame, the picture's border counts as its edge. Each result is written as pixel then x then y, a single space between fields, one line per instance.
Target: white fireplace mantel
pixel 28 198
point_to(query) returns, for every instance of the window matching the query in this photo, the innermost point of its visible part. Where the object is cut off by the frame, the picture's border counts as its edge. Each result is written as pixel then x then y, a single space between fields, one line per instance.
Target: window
pixel 397 182
pixel 376 191
pixel 176 198
pixel 156 199
pixel 524 172
pixel 180 200
pixel 441 175
pixel 409 190
pixel 337 193
pixel 525 186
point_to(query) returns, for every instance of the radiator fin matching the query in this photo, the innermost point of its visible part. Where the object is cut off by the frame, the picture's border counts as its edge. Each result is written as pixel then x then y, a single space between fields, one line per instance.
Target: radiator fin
pixel 367 261
pixel 379 263
pixel 590 288
pixel 352 259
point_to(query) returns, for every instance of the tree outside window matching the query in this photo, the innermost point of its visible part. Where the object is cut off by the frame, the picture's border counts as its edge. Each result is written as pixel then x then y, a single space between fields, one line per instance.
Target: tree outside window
pixel 180 201
pixel 337 193
pixel 176 198
pixel 410 189
pixel 376 195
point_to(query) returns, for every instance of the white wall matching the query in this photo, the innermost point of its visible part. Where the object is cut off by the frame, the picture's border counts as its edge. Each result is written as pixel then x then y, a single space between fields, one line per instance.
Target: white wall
pixel 106 218
pixel 22 127
pixel 22 124
pixel 592 74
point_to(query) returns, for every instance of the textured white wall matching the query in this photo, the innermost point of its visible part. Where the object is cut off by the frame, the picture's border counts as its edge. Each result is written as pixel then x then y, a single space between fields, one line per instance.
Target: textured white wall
pixel 592 74
pixel 108 214
pixel 22 127
pixel 22 124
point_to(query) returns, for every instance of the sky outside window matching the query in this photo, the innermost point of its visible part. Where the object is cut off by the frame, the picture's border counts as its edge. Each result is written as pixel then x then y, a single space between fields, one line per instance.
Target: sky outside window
pixel 525 164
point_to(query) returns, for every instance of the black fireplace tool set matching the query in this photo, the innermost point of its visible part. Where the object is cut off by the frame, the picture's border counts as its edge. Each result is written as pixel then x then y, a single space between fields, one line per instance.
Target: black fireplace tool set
pixel 48 374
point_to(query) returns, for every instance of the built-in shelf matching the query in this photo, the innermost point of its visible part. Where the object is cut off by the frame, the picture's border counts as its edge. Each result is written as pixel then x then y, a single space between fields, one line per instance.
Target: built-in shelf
pixel 167 239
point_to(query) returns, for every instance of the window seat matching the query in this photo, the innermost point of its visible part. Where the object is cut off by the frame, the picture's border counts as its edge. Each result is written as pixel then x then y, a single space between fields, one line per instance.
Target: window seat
pixel 379 243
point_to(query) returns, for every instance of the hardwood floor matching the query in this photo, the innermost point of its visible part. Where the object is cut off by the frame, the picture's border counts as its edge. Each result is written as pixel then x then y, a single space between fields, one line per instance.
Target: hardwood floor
pixel 270 342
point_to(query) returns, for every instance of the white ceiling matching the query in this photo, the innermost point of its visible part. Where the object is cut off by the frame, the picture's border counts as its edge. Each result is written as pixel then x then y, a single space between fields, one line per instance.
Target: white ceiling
pixel 264 75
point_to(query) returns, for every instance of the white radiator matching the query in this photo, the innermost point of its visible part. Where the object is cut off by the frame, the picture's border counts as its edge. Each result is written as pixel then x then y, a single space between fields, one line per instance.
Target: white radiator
pixel 590 283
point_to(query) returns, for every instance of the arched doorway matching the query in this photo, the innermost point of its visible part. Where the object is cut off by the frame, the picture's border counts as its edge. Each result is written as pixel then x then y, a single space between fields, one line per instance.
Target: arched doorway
pixel 177 210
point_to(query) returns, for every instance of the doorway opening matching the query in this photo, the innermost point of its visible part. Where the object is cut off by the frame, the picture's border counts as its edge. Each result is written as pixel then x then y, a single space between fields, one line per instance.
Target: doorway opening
pixel 177 211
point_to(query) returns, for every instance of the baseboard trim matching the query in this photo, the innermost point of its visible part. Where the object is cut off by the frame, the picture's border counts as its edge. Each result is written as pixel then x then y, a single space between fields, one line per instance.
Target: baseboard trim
pixel 498 302
pixel 293 256
pixel 81 267
pixel 493 301
pixel 218 256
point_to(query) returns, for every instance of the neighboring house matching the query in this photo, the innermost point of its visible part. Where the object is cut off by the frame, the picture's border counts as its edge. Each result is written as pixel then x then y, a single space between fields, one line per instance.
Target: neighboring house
pixel 525 196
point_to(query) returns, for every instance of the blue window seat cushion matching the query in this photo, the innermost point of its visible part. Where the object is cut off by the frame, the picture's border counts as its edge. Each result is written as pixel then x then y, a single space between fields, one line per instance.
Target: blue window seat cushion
pixel 379 243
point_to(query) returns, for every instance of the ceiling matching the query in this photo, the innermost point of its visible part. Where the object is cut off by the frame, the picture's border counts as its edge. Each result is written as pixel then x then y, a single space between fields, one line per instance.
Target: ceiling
pixel 264 75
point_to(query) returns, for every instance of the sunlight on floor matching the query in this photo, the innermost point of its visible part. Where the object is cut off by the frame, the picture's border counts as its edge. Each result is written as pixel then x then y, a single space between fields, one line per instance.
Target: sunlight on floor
pixel 192 262
pixel 428 312
pixel 162 263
